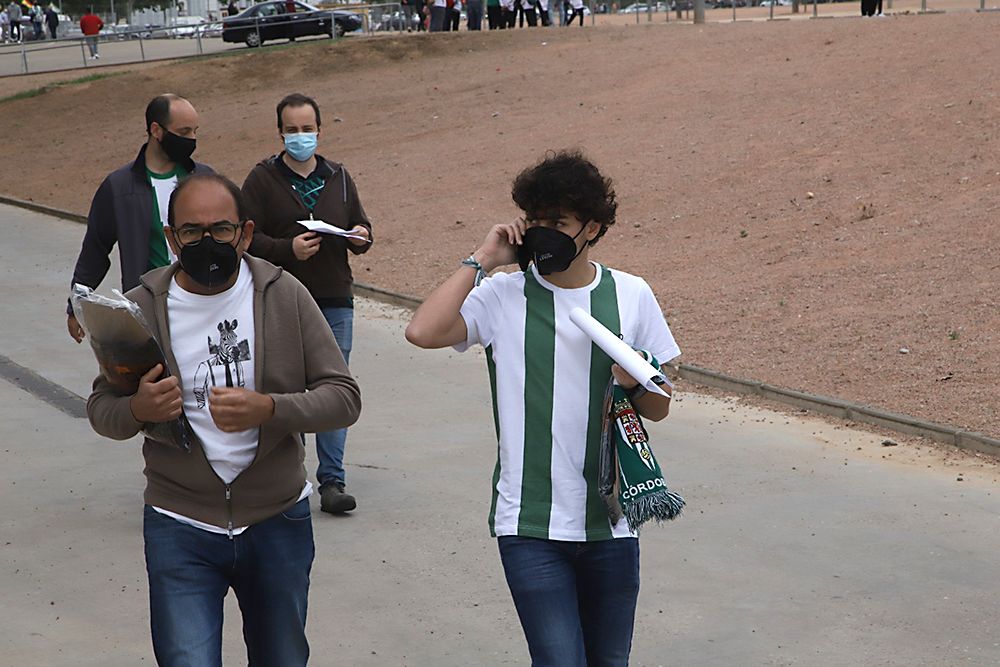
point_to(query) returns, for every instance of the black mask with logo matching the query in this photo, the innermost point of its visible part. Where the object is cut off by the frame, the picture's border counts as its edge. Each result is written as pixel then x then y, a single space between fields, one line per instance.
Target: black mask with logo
pixel 177 148
pixel 552 251
pixel 209 262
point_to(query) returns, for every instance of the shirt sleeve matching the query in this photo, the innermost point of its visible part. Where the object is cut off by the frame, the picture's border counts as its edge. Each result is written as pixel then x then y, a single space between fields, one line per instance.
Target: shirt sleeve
pixel 653 333
pixel 480 311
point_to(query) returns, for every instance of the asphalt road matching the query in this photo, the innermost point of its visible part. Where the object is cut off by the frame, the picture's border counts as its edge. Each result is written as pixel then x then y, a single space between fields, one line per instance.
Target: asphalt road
pixel 800 545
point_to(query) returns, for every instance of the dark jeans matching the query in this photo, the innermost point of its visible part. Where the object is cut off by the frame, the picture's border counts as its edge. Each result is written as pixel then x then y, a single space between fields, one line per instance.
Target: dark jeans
pixel 494 16
pixel 576 600
pixel 437 18
pixel 191 571
pixel 330 444
pixel 474 12
pixel 452 20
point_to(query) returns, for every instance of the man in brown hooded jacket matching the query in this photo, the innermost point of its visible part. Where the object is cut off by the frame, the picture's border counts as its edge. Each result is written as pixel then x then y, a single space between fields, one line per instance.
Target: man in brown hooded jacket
pixel 251 364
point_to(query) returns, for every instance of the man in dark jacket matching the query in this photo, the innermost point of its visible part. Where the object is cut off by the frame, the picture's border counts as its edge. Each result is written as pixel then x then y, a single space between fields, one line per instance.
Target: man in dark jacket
pixel 130 206
pixel 52 20
pixel 233 512
pixel 297 184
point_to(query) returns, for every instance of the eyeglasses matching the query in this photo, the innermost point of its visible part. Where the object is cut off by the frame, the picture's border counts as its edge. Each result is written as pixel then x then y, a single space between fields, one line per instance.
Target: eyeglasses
pixel 222 231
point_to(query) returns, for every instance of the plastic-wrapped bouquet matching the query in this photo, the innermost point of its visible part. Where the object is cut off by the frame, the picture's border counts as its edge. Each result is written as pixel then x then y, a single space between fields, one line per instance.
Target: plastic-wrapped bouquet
pixel 126 350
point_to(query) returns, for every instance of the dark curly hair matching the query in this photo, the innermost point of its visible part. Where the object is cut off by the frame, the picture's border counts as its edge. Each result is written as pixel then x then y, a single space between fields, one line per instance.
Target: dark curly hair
pixel 566 183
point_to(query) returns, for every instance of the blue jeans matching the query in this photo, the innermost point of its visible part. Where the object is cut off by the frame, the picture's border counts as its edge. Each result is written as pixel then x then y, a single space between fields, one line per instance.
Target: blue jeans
pixel 330 445
pixel 576 600
pixel 191 570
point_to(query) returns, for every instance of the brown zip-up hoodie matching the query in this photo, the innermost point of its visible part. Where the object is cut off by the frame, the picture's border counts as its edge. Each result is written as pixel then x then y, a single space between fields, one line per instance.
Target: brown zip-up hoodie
pixel 274 206
pixel 296 362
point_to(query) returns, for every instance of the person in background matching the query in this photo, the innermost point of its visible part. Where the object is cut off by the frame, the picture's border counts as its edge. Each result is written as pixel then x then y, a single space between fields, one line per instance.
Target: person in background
pixel 527 8
pixel 543 12
pixel 577 6
pixel 494 15
pixel 509 13
pixel 131 204
pixel 232 9
pixel 299 184
pixel 421 11
pixel 91 26
pixel 4 25
pixel 407 13
pixel 474 12
pixel 52 20
pixel 38 21
pixel 453 18
pixel 14 16
pixel 439 11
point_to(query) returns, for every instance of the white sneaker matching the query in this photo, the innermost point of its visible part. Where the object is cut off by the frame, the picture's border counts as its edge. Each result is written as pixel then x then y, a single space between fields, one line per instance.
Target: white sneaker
pixel 97 56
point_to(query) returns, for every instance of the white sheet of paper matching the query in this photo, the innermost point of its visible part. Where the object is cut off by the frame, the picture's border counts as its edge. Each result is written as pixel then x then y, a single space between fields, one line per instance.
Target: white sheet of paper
pixel 326 228
pixel 619 351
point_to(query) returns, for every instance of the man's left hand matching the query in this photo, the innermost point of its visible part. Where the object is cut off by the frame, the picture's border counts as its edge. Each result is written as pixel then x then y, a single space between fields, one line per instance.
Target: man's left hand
pixel 236 409
pixel 625 380
pixel 361 230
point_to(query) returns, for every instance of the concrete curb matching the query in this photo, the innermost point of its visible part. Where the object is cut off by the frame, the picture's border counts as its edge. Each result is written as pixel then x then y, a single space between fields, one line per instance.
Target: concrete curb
pixel 42 208
pixel 843 409
pixel 827 405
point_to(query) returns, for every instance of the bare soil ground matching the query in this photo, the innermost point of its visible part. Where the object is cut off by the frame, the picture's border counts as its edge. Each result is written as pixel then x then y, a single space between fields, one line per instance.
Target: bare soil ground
pixel 810 200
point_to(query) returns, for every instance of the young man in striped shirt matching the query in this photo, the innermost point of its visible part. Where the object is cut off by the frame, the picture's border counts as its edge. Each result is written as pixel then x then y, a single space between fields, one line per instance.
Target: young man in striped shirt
pixel 573 575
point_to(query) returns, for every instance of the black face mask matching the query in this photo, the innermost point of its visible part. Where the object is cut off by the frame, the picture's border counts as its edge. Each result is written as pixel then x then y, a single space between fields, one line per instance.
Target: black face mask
pixel 208 262
pixel 177 148
pixel 552 251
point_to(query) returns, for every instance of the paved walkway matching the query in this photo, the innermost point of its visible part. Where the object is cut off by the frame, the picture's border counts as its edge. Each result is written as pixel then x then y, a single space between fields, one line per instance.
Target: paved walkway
pixel 800 545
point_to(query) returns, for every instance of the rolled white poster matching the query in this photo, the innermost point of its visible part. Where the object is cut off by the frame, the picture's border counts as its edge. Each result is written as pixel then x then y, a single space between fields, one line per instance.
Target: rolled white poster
pixel 619 351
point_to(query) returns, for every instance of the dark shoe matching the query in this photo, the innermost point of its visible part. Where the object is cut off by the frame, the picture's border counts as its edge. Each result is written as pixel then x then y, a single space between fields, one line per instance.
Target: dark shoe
pixel 334 499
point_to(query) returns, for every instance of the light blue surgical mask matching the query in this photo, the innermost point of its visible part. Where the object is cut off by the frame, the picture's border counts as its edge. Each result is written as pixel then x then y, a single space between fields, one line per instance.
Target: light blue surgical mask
pixel 301 145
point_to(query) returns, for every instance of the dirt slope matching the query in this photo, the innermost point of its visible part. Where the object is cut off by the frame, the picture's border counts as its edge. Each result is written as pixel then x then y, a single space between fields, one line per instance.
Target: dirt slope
pixel 716 136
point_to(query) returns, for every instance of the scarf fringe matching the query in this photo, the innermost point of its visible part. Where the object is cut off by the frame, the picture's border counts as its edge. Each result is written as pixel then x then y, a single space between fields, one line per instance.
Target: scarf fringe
pixel 661 505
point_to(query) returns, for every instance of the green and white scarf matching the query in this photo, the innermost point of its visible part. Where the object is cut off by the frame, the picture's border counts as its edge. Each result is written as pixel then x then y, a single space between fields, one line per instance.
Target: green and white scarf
pixel 630 478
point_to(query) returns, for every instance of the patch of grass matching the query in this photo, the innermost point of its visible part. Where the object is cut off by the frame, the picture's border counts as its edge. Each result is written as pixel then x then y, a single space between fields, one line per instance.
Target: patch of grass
pixel 24 94
pixel 35 92
pixel 744 233
pixel 952 335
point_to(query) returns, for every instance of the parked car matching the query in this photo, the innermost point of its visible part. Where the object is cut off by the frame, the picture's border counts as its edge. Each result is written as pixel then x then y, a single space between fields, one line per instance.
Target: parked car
pixel 632 9
pixel 187 26
pixel 270 20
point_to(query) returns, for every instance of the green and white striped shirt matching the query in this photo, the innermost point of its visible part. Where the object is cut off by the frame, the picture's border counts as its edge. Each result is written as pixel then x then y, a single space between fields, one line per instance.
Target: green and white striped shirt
pixel 548 383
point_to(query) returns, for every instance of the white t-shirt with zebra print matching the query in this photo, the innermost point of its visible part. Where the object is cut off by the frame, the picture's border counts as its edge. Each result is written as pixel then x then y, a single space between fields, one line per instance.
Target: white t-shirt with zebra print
pixel 548 383
pixel 213 342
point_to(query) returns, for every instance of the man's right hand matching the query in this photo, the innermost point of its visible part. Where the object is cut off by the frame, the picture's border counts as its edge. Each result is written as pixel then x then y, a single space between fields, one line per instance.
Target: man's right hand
pixel 305 245
pixel 499 248
pixel 75 330
pixel 156 402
